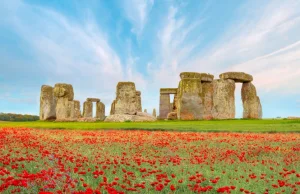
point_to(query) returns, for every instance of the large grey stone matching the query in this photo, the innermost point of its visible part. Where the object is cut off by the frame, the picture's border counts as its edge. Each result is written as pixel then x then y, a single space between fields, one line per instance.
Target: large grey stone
pixel 62 109
pixel 112 108
pixel 47 104
pixel 126 101
pixel 164 106
pixel 207 98
pixel 64 90
pixel 88 109
pixel 190 105
pixel 100 111
pixel 93 99
pixel 223 99
pixel 237 76
pixel 251 102
pixel 74 107
pixel 138 101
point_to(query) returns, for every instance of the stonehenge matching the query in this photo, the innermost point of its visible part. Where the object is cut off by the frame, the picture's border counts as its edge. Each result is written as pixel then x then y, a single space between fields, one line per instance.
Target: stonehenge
pixel 128 105
pixel 57 103
pixel 201 97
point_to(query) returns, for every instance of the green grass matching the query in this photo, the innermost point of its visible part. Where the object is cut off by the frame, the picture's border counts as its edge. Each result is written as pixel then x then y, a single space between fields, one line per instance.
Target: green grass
pixel 211 126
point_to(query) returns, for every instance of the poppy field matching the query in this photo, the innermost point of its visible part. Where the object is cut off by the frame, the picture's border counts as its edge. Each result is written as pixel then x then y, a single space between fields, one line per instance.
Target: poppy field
pixel 124 161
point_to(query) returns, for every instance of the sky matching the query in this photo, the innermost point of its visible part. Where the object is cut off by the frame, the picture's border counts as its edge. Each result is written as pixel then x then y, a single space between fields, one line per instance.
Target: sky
pixel 94 44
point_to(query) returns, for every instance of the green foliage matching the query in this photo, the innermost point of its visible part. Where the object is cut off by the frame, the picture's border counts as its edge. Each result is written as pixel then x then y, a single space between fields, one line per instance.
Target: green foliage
pixel 268 126
pixel 17 117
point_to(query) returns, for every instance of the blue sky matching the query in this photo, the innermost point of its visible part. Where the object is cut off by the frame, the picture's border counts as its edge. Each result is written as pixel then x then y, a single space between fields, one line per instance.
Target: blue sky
pixel 94 44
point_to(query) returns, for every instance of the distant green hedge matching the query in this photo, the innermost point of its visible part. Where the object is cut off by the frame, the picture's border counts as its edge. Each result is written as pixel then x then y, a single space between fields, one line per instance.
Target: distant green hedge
pixel 17 117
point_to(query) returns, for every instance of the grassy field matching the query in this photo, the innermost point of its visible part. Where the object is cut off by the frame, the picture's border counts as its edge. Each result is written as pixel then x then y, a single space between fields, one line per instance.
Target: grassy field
pixel 211 126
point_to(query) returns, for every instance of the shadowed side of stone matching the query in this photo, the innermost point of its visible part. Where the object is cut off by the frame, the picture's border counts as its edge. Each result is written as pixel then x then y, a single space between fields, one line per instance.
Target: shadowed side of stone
pixel 251 102
pixel 223 99
pixel 47 104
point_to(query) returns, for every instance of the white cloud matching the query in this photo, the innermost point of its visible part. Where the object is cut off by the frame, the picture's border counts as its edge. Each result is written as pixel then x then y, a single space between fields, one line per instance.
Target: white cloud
pixel 71 52
pixel 137 12
pixel 264 43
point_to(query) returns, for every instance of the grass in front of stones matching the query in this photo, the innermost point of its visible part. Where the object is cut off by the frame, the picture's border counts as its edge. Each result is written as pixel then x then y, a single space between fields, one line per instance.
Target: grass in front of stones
pixel 204 126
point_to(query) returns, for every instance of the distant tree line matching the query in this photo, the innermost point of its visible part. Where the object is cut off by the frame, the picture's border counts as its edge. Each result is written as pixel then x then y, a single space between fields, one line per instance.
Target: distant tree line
pixel 17 117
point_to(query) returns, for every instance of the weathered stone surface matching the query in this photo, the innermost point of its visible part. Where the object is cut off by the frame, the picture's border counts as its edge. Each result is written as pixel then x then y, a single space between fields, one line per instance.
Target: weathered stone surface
pixel 237 76
pixel 154 113
pixel 87 109
pixel 63 94
pixel 168 90
pixel 126 101
pixel 164 106
pixel 64 90
pixel 251 102
pixel 100 111
pixel 112 108
pixel 223 99
pixel 190 105
pixel 172 116
pixel 138 101
pixel 206 77
pixel 207 98
pixel 190 75
pixel 47 104
pixel 74 107
pixel 145 110
pixel 62 109
pixel 93 99
pixel 140 117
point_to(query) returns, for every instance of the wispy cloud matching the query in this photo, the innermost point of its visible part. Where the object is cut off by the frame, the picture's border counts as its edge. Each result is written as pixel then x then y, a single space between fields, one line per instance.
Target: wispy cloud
pixel 137 11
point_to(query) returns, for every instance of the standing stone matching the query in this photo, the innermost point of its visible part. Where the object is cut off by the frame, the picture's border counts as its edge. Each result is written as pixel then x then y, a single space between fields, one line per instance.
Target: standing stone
pixel 138 101
pixel 190 105
pixel 164 106
pixel 63 93
pixel 112 108
pixel 207 98
pixel 47 104
pixel 145 110
pixel 74 107
pixel 223 99
pixel 251 102
pixel 88 109
pixel 126 101
pixel 154 113
pixel 100 111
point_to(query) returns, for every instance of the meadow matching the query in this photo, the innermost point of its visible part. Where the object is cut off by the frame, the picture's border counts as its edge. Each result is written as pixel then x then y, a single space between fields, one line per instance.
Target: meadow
pixel 266 125
pixel 233 156
pixel 118 161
